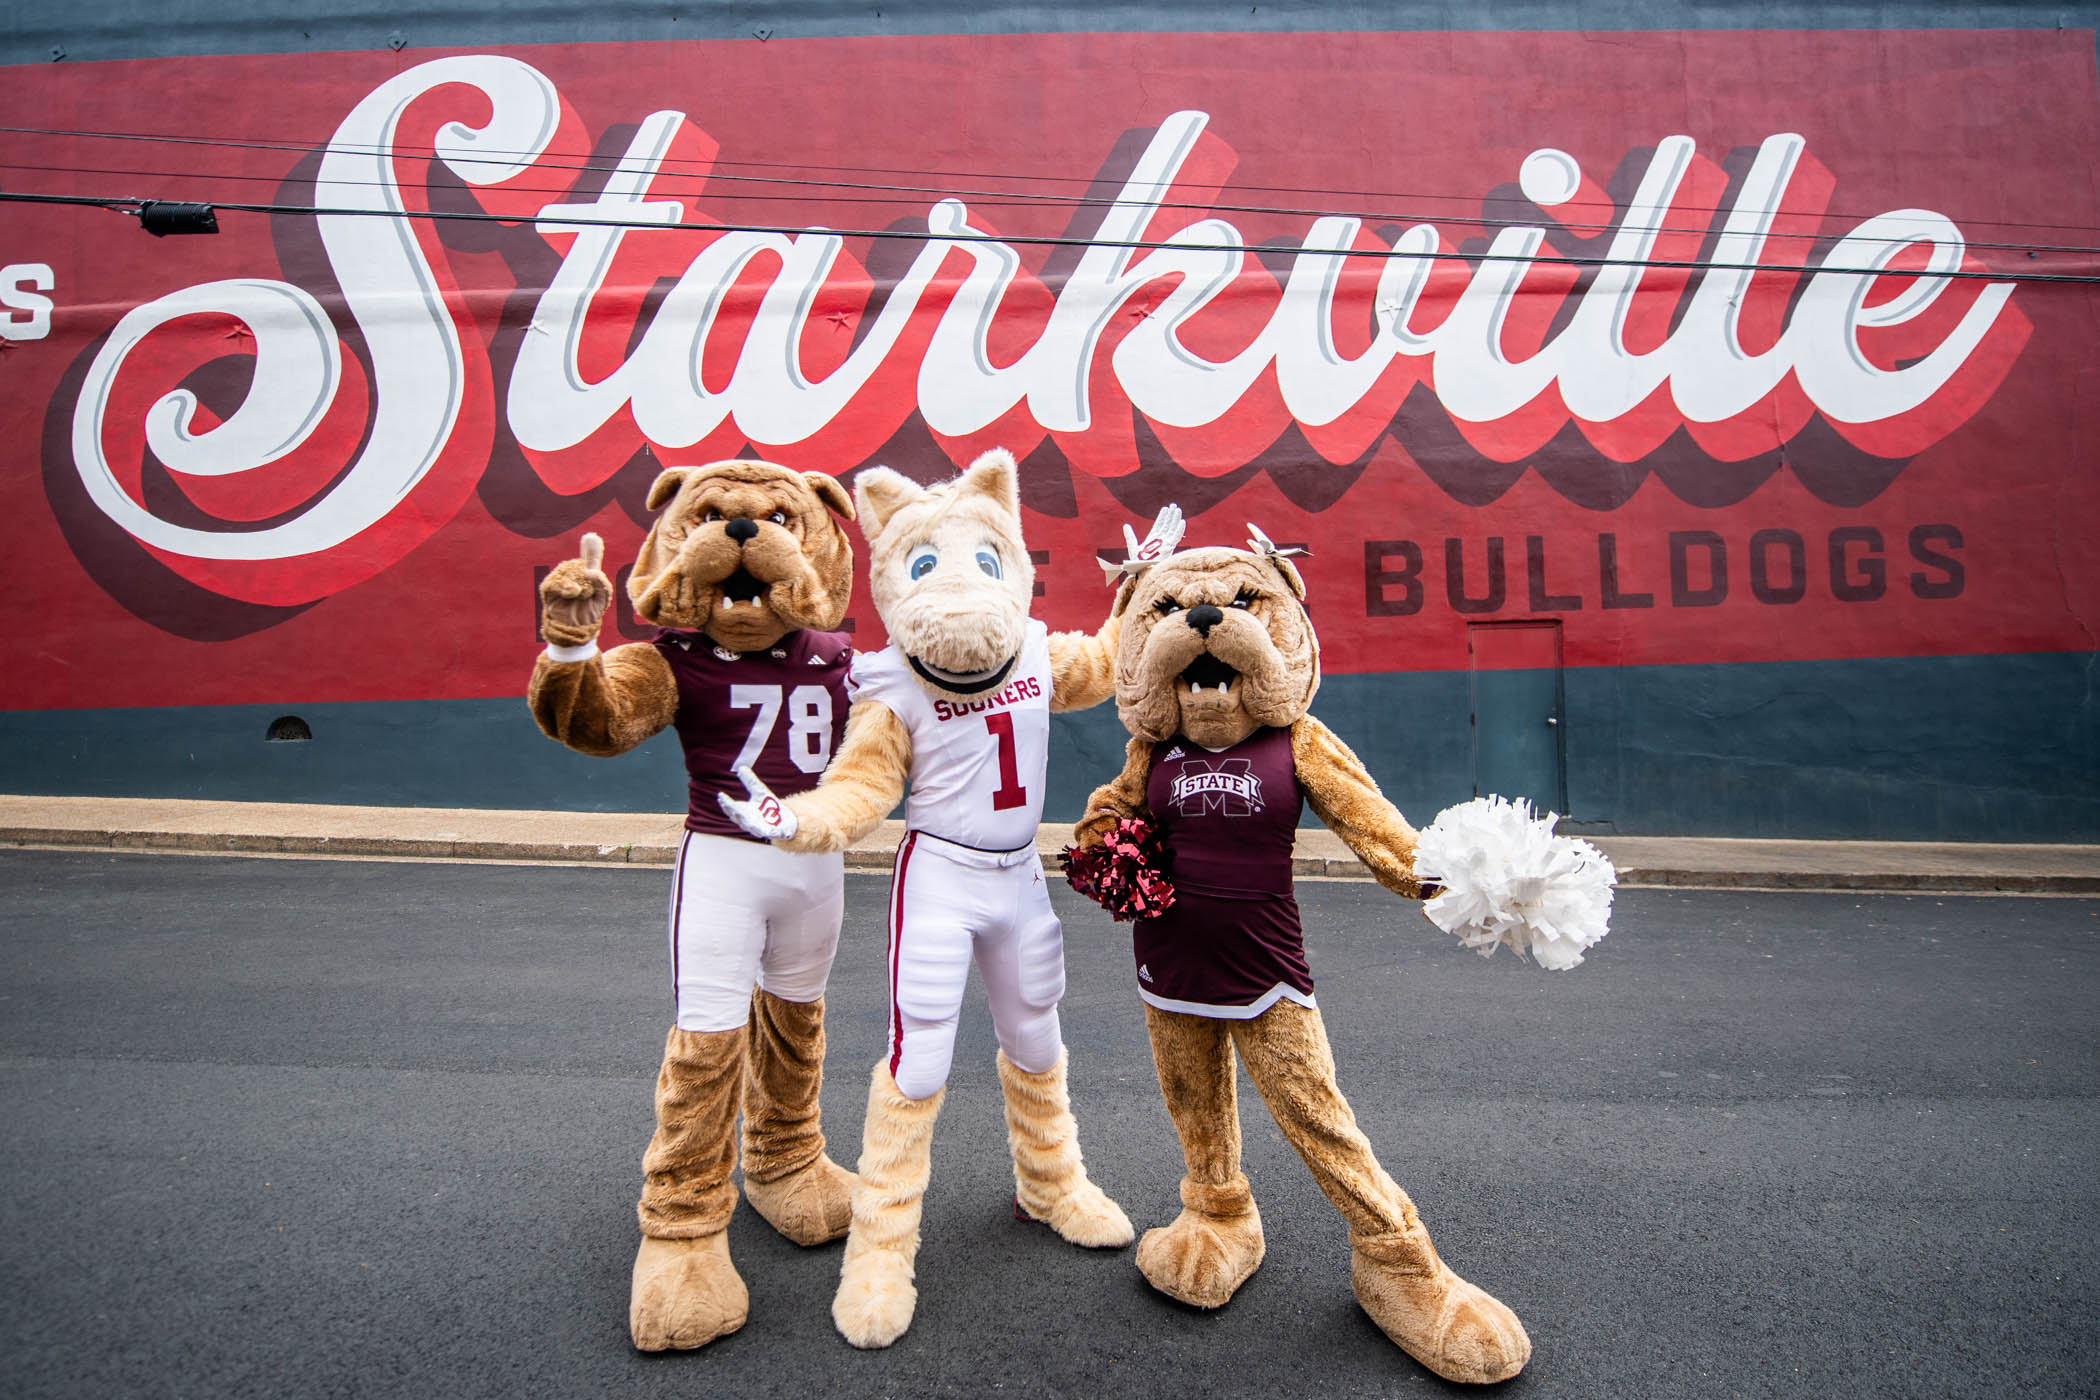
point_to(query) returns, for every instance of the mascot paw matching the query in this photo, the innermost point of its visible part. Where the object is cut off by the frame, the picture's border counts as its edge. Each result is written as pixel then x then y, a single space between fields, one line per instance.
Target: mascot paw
pixel 812 1206
pixel 686 1293
pixel 1202 1259
pixel 1454 1328
pixel 875 1298
pixel 1083 1215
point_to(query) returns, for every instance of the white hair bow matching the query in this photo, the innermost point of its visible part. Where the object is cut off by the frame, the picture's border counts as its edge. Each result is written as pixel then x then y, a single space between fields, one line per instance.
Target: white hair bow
pixel 1261 544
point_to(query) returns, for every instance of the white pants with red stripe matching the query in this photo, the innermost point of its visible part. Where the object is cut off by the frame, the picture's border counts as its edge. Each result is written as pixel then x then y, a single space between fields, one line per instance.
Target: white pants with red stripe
pixel 949 903
pixel 745 914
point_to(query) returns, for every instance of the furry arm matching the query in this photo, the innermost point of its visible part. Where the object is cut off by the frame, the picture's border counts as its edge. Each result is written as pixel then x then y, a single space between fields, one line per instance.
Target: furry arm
pixel 607 704
pixel 1121 796
pixel 1083 667
pixel 1343 796
pixel 864 783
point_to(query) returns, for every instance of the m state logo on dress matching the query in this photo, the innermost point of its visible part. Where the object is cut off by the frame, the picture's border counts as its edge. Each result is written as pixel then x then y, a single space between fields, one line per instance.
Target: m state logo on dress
pixel 1228 787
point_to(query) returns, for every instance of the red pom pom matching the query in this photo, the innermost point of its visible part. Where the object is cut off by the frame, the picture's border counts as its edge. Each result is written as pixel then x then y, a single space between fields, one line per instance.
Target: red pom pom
pixel 1125 874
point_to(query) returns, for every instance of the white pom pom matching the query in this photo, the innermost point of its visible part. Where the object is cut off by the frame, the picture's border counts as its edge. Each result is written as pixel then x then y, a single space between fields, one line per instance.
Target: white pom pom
pixel 1509 880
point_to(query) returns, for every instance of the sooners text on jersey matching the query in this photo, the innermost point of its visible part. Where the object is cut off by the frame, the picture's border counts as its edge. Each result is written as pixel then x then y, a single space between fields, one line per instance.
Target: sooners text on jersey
pixel 977 765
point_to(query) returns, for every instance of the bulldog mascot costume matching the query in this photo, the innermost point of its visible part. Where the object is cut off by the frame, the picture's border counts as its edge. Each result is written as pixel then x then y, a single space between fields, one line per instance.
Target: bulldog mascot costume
pixel 959 704
pixel 1216 668
pixel 748 570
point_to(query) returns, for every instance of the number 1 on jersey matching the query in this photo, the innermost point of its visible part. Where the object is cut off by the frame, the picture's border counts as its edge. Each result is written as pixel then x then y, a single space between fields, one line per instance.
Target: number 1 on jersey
pixel 1010 794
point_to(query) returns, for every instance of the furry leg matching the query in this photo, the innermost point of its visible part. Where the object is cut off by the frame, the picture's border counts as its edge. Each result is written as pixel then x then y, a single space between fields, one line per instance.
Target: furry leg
pixel 685 1291
pixel 788 1179
pixel 876 1295
pixel 1449 1325
pixel 1050 1180
pixel 1215 1244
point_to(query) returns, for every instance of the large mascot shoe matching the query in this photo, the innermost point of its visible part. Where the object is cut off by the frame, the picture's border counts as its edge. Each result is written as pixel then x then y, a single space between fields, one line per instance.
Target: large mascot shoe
pixel 1050 1180
pixel 1213 1246
pixel 685 1294
pixel 788 1179
pixel 1447 1324
pixel 876 1296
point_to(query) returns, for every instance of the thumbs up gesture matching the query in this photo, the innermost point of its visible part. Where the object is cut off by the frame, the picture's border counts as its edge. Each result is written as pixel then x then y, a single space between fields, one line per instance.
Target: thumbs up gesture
pixel 574 595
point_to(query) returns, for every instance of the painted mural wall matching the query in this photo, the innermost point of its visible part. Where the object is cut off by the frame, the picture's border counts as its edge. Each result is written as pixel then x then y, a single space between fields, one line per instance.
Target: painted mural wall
pixel 1728 394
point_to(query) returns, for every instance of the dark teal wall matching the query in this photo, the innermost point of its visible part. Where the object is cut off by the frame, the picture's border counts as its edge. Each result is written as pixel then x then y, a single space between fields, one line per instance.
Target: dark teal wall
pixel 1973 748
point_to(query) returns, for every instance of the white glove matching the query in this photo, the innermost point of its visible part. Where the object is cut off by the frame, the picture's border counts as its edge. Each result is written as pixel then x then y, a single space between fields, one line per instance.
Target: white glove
pixel 1160 541
pixel 763 815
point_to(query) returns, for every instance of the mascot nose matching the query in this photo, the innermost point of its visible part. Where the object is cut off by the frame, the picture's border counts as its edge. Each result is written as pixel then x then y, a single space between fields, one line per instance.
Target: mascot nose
pixel 1203 617
pixel 741 530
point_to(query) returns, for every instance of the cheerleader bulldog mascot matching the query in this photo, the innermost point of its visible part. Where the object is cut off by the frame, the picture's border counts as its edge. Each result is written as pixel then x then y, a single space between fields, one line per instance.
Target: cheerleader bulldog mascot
pixel 959 704
pixel 1215 669
pixel 747 567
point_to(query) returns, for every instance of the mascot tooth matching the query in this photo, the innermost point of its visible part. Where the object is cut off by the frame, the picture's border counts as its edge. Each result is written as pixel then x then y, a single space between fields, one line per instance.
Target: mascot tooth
pixel 1216 667
pixel 959 704
pixel 748 572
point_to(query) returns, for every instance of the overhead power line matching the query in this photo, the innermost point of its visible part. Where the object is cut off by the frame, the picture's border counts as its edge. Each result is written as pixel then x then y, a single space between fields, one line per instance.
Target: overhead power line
pixel 713 171
pixel 133 206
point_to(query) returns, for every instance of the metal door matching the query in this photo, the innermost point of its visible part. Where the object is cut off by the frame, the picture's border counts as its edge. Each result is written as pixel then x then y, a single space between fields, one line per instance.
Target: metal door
pixel 1517 712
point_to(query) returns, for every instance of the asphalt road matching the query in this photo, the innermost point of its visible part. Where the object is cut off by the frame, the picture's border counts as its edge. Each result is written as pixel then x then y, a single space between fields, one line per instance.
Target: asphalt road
pixel 304 1128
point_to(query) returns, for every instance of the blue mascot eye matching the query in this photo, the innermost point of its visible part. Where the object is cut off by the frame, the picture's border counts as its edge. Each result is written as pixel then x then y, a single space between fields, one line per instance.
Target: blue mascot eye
pixel 989 562
pixel 921 562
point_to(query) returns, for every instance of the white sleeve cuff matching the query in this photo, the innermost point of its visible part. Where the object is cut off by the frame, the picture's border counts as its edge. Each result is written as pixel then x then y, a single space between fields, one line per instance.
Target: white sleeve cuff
pixel 567 654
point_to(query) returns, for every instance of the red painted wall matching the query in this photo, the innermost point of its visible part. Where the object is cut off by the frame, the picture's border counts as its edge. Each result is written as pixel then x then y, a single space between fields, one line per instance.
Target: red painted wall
pixel 322 457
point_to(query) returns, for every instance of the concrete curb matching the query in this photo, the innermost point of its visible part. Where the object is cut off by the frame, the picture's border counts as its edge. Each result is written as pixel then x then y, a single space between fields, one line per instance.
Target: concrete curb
pixel 613 838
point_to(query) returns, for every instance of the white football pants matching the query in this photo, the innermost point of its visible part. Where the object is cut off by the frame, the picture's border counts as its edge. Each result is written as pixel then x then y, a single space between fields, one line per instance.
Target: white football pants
pixel 948 903
pixel 744 915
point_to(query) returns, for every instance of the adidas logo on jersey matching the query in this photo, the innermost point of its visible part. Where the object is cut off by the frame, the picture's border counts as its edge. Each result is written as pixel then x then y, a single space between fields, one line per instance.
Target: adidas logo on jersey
pixel 814 659
pixel 1144 972
pixel 1174 754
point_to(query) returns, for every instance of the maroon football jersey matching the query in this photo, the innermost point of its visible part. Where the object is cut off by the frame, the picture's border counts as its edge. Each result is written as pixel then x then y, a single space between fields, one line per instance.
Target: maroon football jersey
pixel 1231 944
pixel 782 711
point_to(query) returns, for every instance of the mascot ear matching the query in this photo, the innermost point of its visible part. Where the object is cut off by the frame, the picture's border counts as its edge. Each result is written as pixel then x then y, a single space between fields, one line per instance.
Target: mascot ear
pixel 830 493
pixel 666 485
pixel 1291 577
pixel 879 493
pixel 994 474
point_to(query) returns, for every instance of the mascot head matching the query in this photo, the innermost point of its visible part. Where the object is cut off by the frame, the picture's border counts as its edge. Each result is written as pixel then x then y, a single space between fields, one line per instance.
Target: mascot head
pixel 746 552
pixel 1215 644
pixel 951 578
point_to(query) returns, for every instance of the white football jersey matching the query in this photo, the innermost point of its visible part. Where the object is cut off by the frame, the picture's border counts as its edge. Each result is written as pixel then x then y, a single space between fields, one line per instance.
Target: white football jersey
pixel 977 766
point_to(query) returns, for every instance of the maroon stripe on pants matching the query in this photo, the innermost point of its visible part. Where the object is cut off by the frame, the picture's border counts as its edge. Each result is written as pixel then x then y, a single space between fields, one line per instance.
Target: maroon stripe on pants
pixel 902 863
pixel 677 909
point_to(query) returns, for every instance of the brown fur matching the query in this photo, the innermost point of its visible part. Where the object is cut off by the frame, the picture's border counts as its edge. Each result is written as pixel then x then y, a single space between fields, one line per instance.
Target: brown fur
pixel 686 1190
pixel 802 559
pixel 787 1178
pixel 607 705
pixel 685 1290
pixel 1262 633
